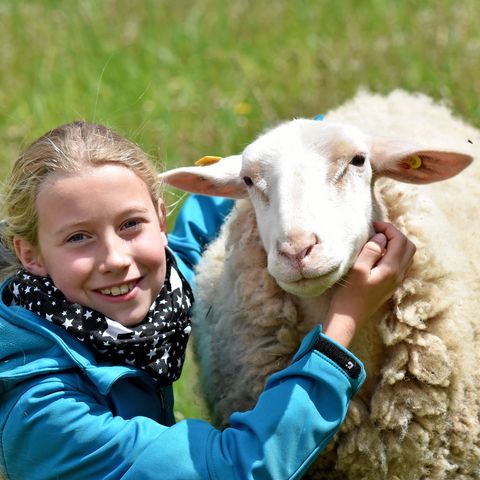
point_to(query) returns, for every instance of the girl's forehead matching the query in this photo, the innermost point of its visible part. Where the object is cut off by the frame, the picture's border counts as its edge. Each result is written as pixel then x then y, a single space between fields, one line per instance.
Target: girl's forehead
pixel 96 186
pixel 106 172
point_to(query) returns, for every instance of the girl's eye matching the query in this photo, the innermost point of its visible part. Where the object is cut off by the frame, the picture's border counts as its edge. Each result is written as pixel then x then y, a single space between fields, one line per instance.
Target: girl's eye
pixel 129 224
pixel 358 161
pixel 76 237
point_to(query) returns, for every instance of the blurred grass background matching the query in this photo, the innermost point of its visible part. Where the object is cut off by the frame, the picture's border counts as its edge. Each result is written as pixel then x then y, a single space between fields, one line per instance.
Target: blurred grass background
pixel 189 78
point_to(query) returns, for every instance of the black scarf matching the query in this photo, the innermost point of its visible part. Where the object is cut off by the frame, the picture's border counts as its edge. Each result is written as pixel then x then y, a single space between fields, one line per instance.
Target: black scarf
pixel 156 345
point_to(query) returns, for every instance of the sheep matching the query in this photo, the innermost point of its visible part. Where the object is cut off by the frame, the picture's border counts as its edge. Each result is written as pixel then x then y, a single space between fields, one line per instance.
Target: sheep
pixel 307 193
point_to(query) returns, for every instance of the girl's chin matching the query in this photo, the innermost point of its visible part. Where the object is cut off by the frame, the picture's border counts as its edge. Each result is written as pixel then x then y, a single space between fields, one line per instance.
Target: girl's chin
pixel 126 317
pixel 129 320
pixel 129 310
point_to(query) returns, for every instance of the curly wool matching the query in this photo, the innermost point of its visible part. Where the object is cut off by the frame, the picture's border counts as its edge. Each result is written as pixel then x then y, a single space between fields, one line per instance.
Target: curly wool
pixel 417 416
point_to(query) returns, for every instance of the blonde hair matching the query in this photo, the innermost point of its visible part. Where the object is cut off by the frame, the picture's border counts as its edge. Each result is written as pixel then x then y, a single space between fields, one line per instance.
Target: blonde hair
pixel 67 149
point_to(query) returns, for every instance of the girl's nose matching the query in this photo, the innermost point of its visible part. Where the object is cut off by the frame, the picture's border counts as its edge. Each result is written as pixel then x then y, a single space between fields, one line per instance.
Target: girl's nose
pixel 115 255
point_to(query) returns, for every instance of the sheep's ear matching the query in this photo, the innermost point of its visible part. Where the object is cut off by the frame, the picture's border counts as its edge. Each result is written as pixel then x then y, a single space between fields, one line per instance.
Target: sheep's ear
pixel 414 164
pixel 218 177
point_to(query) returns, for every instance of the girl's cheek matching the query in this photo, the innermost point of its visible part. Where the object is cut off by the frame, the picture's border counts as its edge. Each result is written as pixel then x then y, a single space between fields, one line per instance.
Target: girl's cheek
pixel 81 266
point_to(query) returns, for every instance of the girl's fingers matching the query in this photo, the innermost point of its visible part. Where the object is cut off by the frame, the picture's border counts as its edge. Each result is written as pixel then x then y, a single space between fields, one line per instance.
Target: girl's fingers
pixel 371 253
pixel 380 240
pixel 400 250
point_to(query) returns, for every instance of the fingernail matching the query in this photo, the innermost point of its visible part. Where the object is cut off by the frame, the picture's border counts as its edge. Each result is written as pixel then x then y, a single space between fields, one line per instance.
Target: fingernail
pixel 380 239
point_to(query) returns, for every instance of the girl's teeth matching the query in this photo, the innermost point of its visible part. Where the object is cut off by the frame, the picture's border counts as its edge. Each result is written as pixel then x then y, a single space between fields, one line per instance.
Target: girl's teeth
pixel 119 290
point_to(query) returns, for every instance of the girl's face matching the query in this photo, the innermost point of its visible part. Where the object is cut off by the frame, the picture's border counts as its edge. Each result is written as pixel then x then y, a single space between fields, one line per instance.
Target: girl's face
pixel 102 241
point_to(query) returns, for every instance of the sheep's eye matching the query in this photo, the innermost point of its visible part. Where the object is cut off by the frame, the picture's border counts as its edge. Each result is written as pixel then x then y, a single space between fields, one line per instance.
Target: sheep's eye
pixel 248 181
pixel 358 161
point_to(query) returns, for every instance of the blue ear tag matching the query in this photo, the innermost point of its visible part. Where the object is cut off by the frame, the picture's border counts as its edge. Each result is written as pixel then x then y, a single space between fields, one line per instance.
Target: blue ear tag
pixel 319 117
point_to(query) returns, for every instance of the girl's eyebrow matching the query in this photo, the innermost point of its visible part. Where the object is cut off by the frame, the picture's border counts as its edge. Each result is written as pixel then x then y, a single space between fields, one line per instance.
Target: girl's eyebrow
pixel 69 228
pixel 135 210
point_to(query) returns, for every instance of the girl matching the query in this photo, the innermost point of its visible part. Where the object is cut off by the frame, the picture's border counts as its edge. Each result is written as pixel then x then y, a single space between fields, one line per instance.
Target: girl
pixel 94 327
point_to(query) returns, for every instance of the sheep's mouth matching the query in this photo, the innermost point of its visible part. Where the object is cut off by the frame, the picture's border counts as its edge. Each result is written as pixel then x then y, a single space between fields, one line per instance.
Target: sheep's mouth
pixel 311 286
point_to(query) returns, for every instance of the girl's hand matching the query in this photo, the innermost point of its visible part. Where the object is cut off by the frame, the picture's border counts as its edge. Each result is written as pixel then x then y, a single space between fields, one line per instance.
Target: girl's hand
pixel 378 270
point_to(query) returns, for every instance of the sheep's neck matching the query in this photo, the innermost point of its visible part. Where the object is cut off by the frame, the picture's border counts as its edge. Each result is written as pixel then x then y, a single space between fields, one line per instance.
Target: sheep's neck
pixel 367 344
pixel 313 311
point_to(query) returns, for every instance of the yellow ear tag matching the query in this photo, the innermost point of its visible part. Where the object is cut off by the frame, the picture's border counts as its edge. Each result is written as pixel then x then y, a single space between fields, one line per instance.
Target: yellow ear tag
pixel 414 161
pixel 207 160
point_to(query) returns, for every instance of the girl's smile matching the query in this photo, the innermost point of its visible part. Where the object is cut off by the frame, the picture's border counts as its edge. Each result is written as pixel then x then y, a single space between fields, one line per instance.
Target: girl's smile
pixel 102 241
pixel 118 290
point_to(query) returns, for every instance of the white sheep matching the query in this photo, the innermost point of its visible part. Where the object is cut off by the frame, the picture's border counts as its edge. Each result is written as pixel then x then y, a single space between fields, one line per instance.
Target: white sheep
pixel 312 189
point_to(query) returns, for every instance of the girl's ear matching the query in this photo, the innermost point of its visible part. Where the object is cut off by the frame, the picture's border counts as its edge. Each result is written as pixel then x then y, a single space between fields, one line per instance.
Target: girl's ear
pixel 162 217
pixel 411 163
pixel 220 177
pixel 29 257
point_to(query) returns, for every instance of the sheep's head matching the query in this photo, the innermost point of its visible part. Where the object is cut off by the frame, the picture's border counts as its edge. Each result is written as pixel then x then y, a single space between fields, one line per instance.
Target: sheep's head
pixel 310 185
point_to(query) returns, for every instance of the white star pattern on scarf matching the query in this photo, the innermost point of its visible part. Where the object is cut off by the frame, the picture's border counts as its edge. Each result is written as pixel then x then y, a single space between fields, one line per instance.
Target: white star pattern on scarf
pixel 68 323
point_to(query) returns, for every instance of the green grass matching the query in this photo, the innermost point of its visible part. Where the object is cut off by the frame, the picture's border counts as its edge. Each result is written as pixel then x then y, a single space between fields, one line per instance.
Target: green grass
pixel 190 78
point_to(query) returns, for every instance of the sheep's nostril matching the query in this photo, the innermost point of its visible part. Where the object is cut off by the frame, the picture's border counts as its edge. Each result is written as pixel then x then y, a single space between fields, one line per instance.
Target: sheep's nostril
pixel 298 247
pixel 307 251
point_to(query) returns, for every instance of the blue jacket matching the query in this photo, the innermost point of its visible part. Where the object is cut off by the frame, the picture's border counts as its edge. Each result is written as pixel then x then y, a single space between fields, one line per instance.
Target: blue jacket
pixel 64 415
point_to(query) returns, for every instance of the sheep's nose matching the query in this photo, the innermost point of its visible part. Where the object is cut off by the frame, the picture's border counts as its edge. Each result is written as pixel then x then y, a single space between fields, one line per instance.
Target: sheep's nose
pixel 297 246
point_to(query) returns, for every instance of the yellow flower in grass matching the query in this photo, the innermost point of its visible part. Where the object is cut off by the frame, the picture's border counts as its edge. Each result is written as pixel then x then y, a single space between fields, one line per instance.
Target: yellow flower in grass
pixel 243 108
